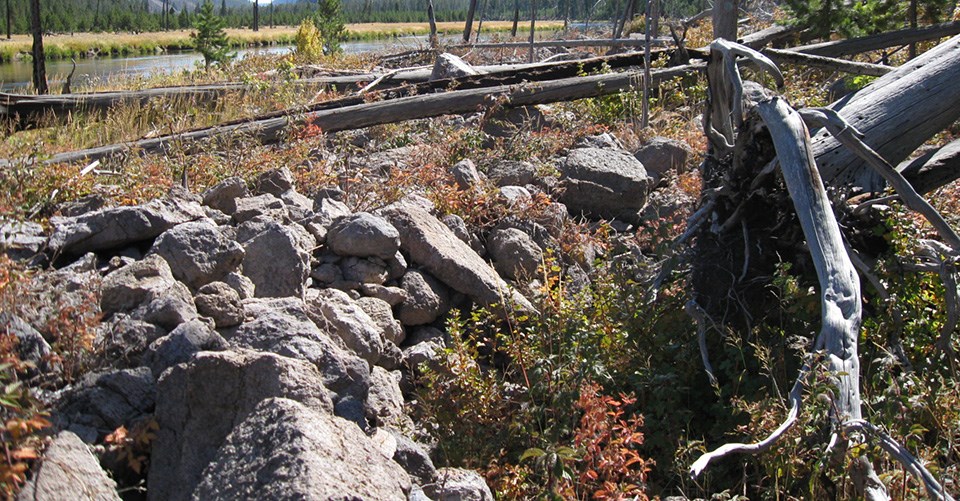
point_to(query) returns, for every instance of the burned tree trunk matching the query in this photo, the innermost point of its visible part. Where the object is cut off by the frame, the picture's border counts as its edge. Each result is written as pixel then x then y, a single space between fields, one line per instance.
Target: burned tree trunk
pixel 39 67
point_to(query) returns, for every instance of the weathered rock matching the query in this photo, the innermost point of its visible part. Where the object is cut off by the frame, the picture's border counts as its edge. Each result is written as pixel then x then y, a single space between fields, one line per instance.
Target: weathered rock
pixel 265 205
pixel 82 205
pixel 457 484
pixel 413 458
pixel 31 347
pixel 465 174
pixel 343 317
pixel 512 173
pixel 515 254
pixel 382 314
pixel 450 66
pixel 283 326
pixel 507 122
pixel 69 471
pixel 180 345
pixel 148 287
pixel 104 401
pixel 391 295
pixel 198 253
pixel 392 356
pixel 385 401
pixel 459 228
pixel 220 302
pixel 223 196
pixel 275 181
pixel 327 210
pixel 120 226
pixel 382 162
pixel 299 206
pixel 431 244
pixel 363 234
pixel 200 402
pixel 136 284
pixel 661 155
pixel 364 270
pixel 243 285
pixel 21 240
pixel 285 450
pixel 516 196
pixel 276 264
pixel 396 266
pixel 604 183
pixel 327 273
pixel 426 345
pixel 427 299
pixel 605 140
pixel 125 339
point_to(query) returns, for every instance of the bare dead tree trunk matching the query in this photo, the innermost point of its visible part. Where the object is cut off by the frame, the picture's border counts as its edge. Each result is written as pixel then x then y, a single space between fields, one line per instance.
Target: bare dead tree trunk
pixel 483 10
pixel 533 28
pixel 434 41
pixel 725 14
pixel 39 64
pixel 912 19
pixel 8 19
pixel 654 18
pixel 516 18
pixel 468 25
pixel 256 15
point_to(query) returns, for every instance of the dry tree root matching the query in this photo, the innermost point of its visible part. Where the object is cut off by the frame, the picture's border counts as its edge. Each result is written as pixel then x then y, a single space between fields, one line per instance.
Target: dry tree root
pixel 841 300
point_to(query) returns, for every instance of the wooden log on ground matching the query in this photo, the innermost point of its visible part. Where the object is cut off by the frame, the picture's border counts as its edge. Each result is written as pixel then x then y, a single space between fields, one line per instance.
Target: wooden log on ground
pixel 827 63
pixel 896 113
pixel 619 42
pixel 934 169
pixel 272 129
pixel 769 35
pixel 881 41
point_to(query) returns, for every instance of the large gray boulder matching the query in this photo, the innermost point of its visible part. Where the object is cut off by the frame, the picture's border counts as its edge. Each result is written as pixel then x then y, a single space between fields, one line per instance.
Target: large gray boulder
pixel 346 319
pixel 512 173
pixel 385 401
pixel 275 181
pixel 201 401
pixel 120 226
pixel 69 471
pixel 515 254
pixel 21 240
pixel 363 234
pixel 431 244
pixel 286 450
pixel 427 299
pixel 180 345
pixel 604 183
pixel 101 402
pixel 382 314
pixel 265 205
pixel 276 263
pixel 661 155
pixel 414 459
pixel 282 326
pixel 198 253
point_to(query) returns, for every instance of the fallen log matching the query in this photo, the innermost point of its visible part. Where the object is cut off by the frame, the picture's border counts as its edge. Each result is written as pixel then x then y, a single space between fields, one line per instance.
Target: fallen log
pixel 896 113
pixel 769 35
pixel 272 129
pixel 934 169
pixel 620 42
pixel 827 63
pixel 881 41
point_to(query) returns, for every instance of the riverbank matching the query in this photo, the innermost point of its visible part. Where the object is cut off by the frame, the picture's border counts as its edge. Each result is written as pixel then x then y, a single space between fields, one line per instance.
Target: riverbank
pixel 81 45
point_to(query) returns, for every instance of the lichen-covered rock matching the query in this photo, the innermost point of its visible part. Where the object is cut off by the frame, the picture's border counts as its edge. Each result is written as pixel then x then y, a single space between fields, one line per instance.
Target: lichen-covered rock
pixel 198 253
pixel 285 450
pixel 200 402
pixel 344 318
pixel 67 471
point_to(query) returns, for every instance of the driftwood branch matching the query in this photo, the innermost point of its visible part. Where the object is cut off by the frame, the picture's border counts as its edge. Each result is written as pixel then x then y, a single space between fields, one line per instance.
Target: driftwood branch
pixel 881 41
pixel 827 63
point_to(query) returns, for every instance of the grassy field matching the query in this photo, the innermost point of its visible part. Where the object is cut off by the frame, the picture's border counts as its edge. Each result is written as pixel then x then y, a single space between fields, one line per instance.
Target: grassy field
pixel 62 46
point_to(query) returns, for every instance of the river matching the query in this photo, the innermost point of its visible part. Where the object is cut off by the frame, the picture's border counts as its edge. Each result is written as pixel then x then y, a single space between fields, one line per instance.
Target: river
pixel 16 76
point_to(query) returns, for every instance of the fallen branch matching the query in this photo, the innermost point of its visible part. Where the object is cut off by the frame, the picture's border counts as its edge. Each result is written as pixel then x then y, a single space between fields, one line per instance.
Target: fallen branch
pixel 827 63
pixel 881 41
pixel 934 169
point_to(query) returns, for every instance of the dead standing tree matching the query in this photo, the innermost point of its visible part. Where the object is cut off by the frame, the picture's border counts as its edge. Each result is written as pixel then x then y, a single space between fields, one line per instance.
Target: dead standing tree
pixel 751 131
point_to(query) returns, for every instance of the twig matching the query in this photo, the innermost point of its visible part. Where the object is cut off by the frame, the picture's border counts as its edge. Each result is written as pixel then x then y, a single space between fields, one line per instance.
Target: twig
pixel 696 312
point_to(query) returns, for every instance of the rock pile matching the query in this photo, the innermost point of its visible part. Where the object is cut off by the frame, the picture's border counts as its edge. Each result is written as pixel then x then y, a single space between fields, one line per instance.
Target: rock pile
pixel 269 334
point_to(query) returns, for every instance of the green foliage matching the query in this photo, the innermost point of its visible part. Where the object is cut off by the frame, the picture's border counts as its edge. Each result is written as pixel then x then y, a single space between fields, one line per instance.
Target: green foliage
pixel 860 18
pixel 309 42
pixel 210 39
pixel 329 22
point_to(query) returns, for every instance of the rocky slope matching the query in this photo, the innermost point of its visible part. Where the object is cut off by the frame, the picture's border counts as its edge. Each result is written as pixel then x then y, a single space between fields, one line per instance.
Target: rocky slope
pixel 271 338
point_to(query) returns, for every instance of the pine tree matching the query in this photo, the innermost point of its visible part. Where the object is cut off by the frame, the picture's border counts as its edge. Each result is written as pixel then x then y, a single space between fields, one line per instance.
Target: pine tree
pixel 329 22
pixel 210 39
